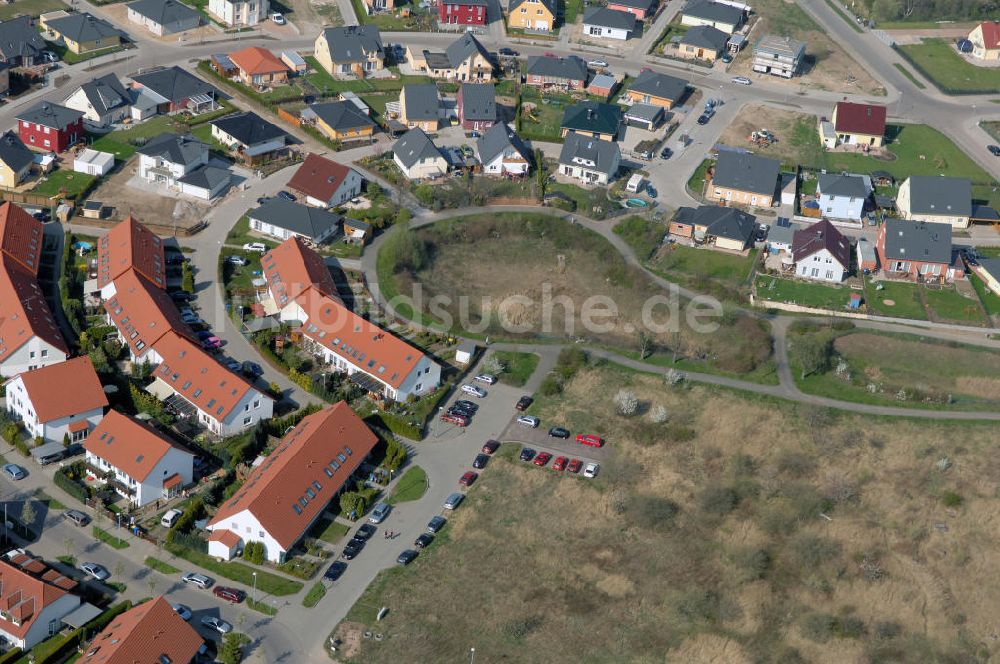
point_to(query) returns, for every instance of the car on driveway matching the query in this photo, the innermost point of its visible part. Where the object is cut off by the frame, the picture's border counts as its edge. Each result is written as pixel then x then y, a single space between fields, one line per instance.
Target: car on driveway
pixel 237 260
pixel 218 624
pixel 456 419
pixel 491 446
pixel 234 595
pixel 558 432
pixel 666 153
pixel 560 463
pixel 436 524
pixel 286 195
pixel 379 513
pixel 704 118
pixel 257 247
pixel 529 421
pixel 352 549
pixel 527 454
pixel 480 461
pixel 591 470
pixel 574 465
pixel 454 500
pixel 252 369
pixel 474 390
pixel 994 150
pixel 365 532
pixel 524 403
pixel 423 540
pixel 489 379
pixel 460 410
pixel 597 63
pixel 468 478
pixel 542 458
pixel 742 80
pixel 590 439
pixel 407 557
pixel 77 517
pixel 196 579
pixel 468 405
pixel 183 610
pixel 14 471
pixel 95 571
pixel 335 570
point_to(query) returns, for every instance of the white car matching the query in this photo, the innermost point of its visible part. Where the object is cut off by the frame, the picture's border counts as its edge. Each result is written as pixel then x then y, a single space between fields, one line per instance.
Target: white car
pixel 529 421
pixel 477 392
pixel 96 571
pixel 182 610
pixel 237 260
pixel 742 80
pixel 597 63
pixel 196 579
pixel 218 624
pixel 489 379
pixel 258 247
pixel 590 470
pixel 277 18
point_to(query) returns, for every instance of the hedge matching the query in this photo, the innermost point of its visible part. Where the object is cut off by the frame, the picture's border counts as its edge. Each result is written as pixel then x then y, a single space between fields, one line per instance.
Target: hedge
pixel 69 486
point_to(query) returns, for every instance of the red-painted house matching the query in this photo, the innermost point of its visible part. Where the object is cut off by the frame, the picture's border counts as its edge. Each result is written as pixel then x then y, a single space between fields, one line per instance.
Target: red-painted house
pixel 641 9
pixel 462 12
pixel 50 127
pixel 477 106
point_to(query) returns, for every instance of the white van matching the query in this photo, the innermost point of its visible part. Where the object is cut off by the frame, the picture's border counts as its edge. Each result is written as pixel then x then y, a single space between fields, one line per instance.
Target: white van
pixel 634 184
pixel 170 518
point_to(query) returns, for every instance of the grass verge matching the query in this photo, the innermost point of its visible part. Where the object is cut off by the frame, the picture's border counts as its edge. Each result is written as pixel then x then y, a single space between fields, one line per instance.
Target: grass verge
pixel 315 594
pixel 110 539
pixel 518 367
pixel 411 486
pixel 268 583
pixel 161 566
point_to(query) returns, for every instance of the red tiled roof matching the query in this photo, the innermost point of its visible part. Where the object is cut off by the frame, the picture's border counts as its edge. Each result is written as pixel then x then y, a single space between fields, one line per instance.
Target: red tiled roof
pixel 78 426
pixel 324 449
pixel 318 177
pixel 64 389
pixel 292 267
pixel 172 481
pixel 142 313
pixel 24 597
pixel 991 34
pixel 130 245
pixel 227 537
pixel 151 633
pixel 860 118
pixel 20 236
pixel 257 60
pixel 25 313
pixel 129 445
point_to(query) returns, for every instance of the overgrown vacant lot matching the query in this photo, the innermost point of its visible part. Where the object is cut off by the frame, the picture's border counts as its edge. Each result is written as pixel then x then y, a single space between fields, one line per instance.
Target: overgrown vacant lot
pixel 704 541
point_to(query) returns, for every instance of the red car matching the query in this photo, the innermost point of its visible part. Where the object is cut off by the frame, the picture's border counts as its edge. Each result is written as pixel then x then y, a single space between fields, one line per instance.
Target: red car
pixel 559 463
pixel 456 419
pixel 590 439
pixel 542 459
pixel 468 478
pixel 229 594
pixel 574 465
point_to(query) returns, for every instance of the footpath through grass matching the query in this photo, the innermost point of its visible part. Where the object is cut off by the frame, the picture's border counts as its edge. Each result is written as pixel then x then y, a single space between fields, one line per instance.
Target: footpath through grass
pixel 411 486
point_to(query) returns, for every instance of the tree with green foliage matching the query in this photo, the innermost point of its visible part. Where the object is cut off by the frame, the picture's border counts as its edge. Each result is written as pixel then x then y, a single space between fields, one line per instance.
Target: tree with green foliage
pixel 405 251
pixel 28 514
pixel 231 651
pixel 395 454
pixel 187 278
pixel 352 503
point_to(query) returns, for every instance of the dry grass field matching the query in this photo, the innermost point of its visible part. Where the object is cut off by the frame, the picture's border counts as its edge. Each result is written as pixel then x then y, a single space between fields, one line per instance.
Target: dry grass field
pixel 742 530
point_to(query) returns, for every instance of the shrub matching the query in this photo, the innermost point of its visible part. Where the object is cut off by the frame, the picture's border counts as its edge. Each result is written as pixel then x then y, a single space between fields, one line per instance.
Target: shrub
pixel 352 502
pixel 719 500
pixel 753 564
pixel 813 550
pixel 70 486
pixel 626 402
pixel 185 521
pixel 818 627
pixel 254 552
pixel 658 414
pixel 231 651
pixel 951 499
pixel 653 512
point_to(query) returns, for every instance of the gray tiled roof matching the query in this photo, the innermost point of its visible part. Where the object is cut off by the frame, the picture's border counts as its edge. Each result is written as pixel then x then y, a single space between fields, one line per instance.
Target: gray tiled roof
pixel 842 185
pixel 592 117
pixel 645 5
pixel 106 93
pixel 47 114
pixel 991 266
pixel 917 241
pixel 479 101
pixel 341 115
pixel 353 43
pixel 705 36
pixel 462 48
pixel 421 101
pixel 206 177
pixel 713 11
pixel 175 84
pixel 414 146
pixel 609 18
pixel 14 153
pixel 498 138
pixel 660 85
pixel 83 28
pixel 18 39
pixel 311 222
pixel 249 128
pixel 165 12
pixel 933 194
pixel 725 222
pixel 174 148
pixel 746 172
pixel 601 153
pixel 571 67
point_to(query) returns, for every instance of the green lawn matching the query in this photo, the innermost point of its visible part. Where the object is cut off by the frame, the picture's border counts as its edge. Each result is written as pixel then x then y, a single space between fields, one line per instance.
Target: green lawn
pixel 71 58
pixel 29 8
pixel 65 183
pixel 239 235
pixel 643 235
pixel 315 594
pixel 590 202
pixel 518 367
pixel 571 10
pixel 696 183
pixel 119 142
pixel 543 122
pixel 909 74
pixel 330 532
pixel 905 299
pixel 804 293
pixel 951 305
pixel 689 264
pixel 267 583
pixel 411 486
pixel 111 539
pixel 990 300
pixel 161 566
pixel 938 60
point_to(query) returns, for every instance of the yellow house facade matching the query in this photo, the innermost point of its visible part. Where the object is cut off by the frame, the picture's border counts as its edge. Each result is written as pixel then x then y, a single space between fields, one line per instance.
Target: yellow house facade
pixel 350 51
pixel 532 15
pixel 353 133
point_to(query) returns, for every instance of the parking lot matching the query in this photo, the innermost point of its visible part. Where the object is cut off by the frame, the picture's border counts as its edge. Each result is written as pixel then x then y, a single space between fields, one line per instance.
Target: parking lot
pixel 539 439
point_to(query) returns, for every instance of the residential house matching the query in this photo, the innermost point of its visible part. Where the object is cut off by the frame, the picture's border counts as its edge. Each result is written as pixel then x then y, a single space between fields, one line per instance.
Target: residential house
pixel 744 179
pixel 465 59
pixel 146 465
pixel 417 156
pixel 719 15
pixel 126 247
pixel 859 124
pixel 723 227
pixel 284 496
pixel 548 71
pixel 502 152
pixel 163 17
pixel 602 85
pixel 21 45
pixel 84 33
pixel 64 400
pixel 324 182
pixel 142 314
pixel 50 127
pixel 103 101
pixel 152 632
pixel 917 251
pixel 29 335
pixel 477 106
pixel 174 89
pixel 352 50
pixel 821 253
pixel 608 23
pixel 778 56
pixel 283 219
pixel 462 12
pixel 181 164
pixel 651 87
pixel 702 42
pixel 590 160
pixel 989 271
pixel 15 160
pixel 937 199
pixel 259 68
pixel 356 231
pixel 641 9
pixel 647 116
pixel 341 121
pixel 985 39
pixel 842 195
pixel 781 235
pixel 592 118
pixel 377 6
pixel 249 135
pixel 532 15
pixel 419 106
pixel 34 606
pixel 239 13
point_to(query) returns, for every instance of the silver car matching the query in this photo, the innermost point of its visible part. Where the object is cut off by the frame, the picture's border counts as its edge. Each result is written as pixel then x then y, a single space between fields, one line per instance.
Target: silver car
pixel 218 624
pixel 454 500
pixel 96 571
pixel 15 472
pixel 196 579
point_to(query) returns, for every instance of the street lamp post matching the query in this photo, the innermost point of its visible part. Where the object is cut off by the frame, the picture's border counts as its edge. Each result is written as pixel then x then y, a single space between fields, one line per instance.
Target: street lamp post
pixel 255 587
pixel 472 655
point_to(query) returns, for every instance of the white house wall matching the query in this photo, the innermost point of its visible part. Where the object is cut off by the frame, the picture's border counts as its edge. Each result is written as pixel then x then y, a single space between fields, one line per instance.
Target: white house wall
pixel 32 355
pixel 820 266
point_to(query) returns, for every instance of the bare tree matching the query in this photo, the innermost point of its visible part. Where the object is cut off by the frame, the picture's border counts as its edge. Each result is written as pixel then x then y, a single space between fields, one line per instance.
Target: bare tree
pixel 28 514
pixel 645 344
pixel 658 414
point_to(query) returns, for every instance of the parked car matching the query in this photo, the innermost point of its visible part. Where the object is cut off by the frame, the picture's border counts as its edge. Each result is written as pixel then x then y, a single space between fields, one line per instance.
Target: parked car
pixel 252 369
pixel 742 80
pixel 529 421
pixel 599 64
pixel 761 233
pixel 558 432
pixel 464 403
pixel 542 458
pixel 212 341
pixel 727 58
pixel 277 18
pixel 237 260
pixel 524 403
pixel 591 470
pixel 335 570
pixel 527 454
pixel 218 624
pixel 96 571
pixel 468 478
pixel 489 379
pixel 256 247
pixel 183 610
pixel 490 446
pixel 590 439
pixel 507 52
pixel 474 390
pixel 480 461
pixel 77 517
pixel 436 524
pixel 704 118
pixel 994 150
pixel 233 365
pixel 666 153
pixel 423 540
pixel 196 579
pixel 352 549
pixel 286 195
pixel 454 500
pixel 574 466
pixel 651 191
pixel 560 463
pixel 461 410
pixel 456 419
pixel 365 532
pixel 380 512
pixel 407 557
pixel 233 595
pixel 14 471
pixel 170 517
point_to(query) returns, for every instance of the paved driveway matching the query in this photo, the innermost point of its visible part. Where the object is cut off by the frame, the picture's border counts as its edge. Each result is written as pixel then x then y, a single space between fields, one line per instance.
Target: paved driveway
pixel 539 440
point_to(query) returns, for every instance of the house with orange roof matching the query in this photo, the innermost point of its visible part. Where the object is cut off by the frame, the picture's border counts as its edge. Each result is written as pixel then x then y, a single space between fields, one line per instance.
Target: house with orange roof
pixel 129 246
pixel 146 464
pixel 150 633
pixel 32 607
pixel 142 314
pixel 324 182
pixel 259 68
pixel 284 495
pixel 57 401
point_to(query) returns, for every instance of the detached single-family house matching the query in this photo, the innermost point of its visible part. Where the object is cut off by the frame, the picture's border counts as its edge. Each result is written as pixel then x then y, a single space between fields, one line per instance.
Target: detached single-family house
pixel 592 118
pixel 103 101
pixel 821 252
pixel 84 33
pixel 249 135
pixel 477 106
pixel 502 152
pixel 985 39
pixel 462 12
pixel 147 466
pixel 15 160
pixel 989 272
pixel 778 56
pixel 843 196
pixel 324 182
pixel 352 50
pixel 151 632
pixel 608 23
pixel 417 156
pixel 34 606
pixel 238 13
pixel 419 106
pixel 549 71
pixel 341 120
pixel 859 124
pixel 163 17
pixel 259 68
pixel 718 15
pixel 283 219
pixel 181 163
pixel 21 45
pixel 641 9
pixel 920 250
pixel 724 227
pixel 58 401
pixel 744 179
pixel 465 59
pixel 174 89
pixel 936 199
pixel 702 42
pixel 651 87
pixel 590 160
pixel 282 498
pixel 50 127
pixel 536 15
